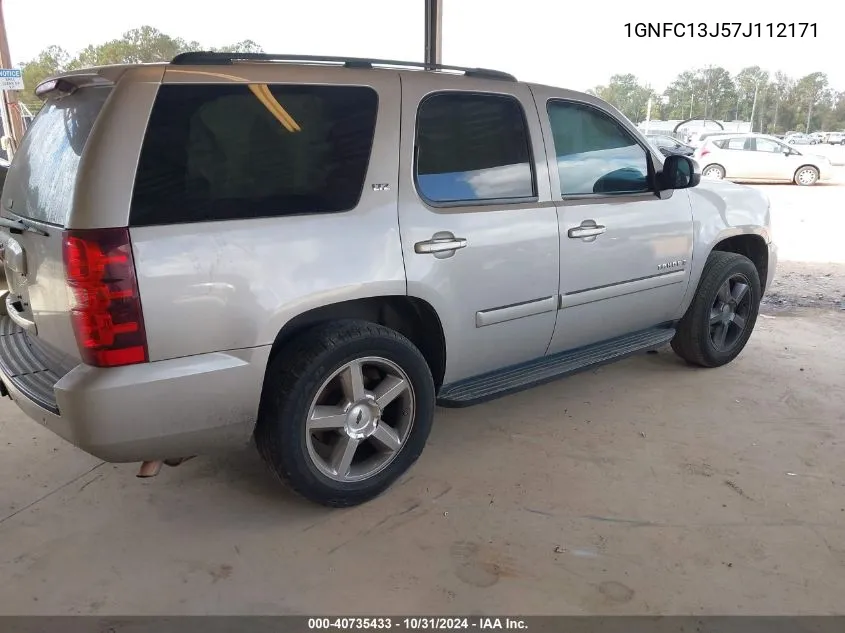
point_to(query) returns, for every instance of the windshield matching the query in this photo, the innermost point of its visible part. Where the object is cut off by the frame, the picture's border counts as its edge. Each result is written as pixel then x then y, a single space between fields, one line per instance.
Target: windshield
pixel 42 178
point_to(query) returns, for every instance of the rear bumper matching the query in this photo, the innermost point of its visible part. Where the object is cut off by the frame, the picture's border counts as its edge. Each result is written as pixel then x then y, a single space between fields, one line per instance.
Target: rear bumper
pixel 160 410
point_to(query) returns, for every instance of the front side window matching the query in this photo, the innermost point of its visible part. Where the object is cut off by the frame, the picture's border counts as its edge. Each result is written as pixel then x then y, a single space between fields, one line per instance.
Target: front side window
pixel 223 152
pixel 767 145
pixel 473 147
pixel 595 155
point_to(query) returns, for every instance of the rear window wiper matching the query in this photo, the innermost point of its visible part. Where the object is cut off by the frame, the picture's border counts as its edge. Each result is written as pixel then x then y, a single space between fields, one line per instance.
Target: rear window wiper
pixel 20 225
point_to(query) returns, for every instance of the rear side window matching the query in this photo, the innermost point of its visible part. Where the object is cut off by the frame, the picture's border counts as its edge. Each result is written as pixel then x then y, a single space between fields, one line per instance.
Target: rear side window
pixel 473 147
pixel 42 178
pixel 730 143
pixel 225 152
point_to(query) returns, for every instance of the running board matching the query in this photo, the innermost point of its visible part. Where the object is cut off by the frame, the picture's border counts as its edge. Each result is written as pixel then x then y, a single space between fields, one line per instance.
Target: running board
pixel 536 372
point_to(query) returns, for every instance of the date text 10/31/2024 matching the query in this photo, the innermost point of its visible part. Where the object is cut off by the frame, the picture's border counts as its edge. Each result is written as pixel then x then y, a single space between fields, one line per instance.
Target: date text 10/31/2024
pixel 791 30
pixel 416 623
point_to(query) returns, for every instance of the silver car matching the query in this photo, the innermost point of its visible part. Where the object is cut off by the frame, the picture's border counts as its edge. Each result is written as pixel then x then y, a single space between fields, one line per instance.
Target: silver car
pixel 311 253
pixel 758 157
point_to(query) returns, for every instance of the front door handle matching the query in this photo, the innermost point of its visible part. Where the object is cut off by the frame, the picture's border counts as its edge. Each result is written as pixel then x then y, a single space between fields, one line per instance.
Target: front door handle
pixel 588 228
pixel 441 245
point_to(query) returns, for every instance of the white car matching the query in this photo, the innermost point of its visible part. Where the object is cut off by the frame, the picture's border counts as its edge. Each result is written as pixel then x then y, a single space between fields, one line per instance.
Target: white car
pixel 835 138
pixel 758 157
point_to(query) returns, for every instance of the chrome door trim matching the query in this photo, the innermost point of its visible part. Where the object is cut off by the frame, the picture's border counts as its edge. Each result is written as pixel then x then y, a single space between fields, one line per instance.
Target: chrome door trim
pixel 589 295
pixel 515 311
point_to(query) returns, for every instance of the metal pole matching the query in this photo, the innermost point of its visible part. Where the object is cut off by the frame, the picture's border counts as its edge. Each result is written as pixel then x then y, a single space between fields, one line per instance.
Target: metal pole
pixel 648 115
pixel 13 111
pixel 433 33
pixel 754 105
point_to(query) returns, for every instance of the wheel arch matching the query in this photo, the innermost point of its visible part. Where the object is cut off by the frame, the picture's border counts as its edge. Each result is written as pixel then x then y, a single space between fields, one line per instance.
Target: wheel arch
pixel 753 247
pixel 805 165
pixel 412 317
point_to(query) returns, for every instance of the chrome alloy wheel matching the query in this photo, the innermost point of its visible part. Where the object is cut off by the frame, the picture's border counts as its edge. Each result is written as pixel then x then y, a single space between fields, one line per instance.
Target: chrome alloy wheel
pixel 360 419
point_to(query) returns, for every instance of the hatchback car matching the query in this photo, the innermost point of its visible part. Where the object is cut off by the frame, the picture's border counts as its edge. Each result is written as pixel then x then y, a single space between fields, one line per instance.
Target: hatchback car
pixel 758 157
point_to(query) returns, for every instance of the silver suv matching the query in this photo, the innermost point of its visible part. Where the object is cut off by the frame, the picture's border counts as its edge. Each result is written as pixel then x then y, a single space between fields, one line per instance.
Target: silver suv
pixel 313 252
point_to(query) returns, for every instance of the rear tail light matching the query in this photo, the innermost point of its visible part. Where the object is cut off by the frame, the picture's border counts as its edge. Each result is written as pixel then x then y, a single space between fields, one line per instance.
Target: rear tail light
pixel 105 303
pixel 704 151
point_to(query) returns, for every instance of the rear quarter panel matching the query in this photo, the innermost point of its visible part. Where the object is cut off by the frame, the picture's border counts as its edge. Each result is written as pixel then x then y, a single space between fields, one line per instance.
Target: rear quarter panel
pixel 226 285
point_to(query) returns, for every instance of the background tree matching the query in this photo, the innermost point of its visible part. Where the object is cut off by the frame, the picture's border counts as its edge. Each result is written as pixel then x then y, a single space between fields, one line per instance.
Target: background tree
pixel 141 45
pixel 810 91
pixel 783 104
pixel 627 95
pixel 750 86
pixel 50 61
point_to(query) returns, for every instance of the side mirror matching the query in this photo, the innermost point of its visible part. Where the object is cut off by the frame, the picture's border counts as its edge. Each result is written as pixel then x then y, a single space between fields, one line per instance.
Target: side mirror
pixel 679 172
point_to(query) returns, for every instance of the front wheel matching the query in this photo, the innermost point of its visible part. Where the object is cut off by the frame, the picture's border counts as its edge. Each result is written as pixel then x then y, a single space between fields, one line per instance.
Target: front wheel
pixel 806 176
pixel 719 322
pixel 346 409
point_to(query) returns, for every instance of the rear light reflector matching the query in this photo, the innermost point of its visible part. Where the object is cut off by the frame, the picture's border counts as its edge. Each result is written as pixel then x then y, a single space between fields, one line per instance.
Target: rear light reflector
pixel 105 303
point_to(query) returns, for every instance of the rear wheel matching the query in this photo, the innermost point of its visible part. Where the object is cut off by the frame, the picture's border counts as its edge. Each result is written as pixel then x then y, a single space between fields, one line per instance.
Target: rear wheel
pixel 346 410
pixel 717 172
pixel 720 319
pixel 806 176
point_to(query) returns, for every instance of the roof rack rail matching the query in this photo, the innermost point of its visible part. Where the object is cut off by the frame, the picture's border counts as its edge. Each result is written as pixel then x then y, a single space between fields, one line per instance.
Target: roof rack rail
pixel 204 58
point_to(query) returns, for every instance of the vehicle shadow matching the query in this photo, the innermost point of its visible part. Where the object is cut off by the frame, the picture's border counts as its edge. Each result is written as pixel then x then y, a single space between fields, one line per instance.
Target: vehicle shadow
pixel 229 488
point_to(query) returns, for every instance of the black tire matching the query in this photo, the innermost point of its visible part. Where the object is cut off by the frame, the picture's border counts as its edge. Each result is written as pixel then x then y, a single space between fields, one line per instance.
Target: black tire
pixel 293 379
pixel 715 168
pixel 693 339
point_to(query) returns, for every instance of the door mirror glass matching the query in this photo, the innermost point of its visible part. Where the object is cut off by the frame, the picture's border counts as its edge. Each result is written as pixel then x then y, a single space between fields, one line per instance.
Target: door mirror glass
pixel 679 172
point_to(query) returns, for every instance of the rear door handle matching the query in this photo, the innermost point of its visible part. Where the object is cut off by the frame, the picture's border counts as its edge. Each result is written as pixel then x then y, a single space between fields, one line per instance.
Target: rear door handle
pixel 442 244
pixel 588 228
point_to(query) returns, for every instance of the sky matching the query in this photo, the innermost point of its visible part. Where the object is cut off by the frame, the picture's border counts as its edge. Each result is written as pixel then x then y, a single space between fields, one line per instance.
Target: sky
pixel 567 43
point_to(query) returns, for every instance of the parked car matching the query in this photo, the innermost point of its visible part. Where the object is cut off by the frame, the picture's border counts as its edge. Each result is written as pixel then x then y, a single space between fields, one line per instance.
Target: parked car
pixel 835 138
pixel 312 255
pixel 800 139
pixel 818 136
pixel 667 145
pixel 759 157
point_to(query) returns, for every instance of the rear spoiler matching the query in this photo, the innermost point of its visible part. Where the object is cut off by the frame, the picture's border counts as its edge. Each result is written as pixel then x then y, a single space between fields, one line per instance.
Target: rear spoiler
pixel 66 84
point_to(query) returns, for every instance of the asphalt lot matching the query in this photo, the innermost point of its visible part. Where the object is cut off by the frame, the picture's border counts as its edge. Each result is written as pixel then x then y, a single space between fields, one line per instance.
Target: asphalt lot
pixel 642 487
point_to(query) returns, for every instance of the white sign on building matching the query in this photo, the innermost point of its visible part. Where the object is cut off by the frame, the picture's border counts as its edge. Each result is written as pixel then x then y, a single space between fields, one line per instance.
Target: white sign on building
pixel 11 79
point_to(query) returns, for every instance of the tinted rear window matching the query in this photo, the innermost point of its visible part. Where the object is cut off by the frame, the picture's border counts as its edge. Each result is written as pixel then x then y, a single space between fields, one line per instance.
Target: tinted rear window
pixel 222 152
pixel 42 178
pixel 473 147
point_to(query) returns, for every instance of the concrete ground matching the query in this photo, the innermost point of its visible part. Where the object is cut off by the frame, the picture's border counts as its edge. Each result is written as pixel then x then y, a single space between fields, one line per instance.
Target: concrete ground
pixel 642 487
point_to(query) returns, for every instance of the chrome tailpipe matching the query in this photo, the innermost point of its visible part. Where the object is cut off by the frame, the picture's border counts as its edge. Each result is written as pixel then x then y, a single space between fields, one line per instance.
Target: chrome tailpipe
pixel 150 469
